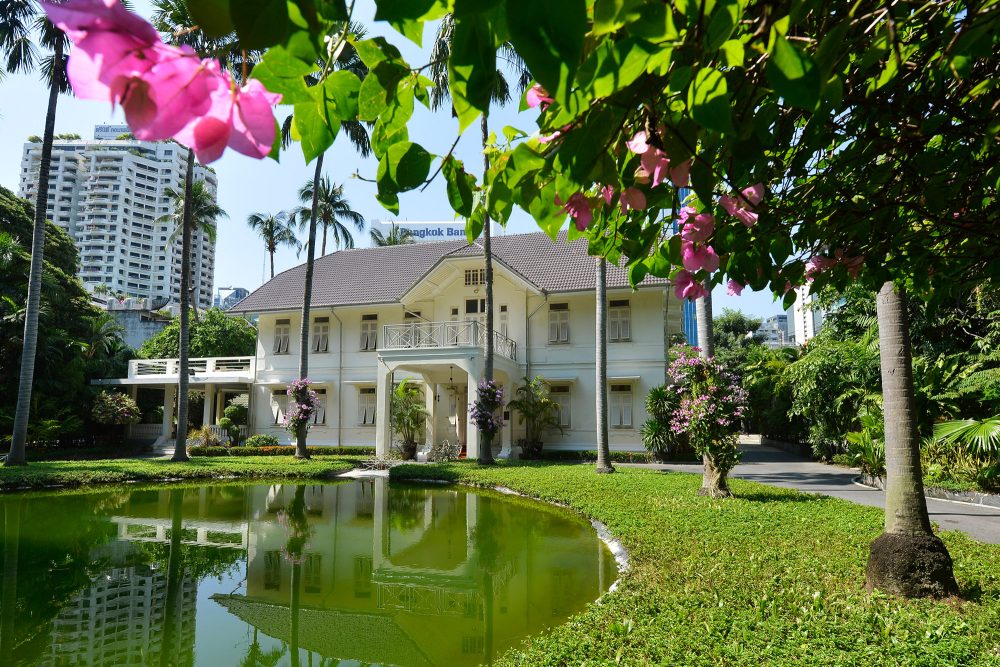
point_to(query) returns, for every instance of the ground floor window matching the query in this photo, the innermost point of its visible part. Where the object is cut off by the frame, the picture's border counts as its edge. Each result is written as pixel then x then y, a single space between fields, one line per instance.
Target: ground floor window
pixel 620 406
pixel 366 406
pixel 560 395
pixel 279 405
pixel 319 417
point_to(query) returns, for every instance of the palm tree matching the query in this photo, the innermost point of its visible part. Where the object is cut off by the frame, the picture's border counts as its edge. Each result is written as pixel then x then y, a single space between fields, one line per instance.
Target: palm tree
pixel 706 344
pixel 501 94
pixel 276 230
pixel 105 334
pixel 603 451
pixel 332 212
pixel 908 558
pixel 397 236
pixel 20 20
pixel 172 18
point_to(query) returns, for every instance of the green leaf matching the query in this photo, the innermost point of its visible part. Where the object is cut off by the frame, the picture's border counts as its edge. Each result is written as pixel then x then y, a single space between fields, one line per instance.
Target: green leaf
pixel 724 19
pixel 280 72
pixel 475 224
pixel 702 180
pixel 549 37
pixel 408 165
pixel 781 248
pixel 459 186
pixel 582 148
pixel 408 16
pixel 390 128
pixel 617 64
pixel 261 23
pixel 472 68
pixel 499 201
pixel 212 16
pixel 708 100
pixel 378 87
pixel 387 189
pixel 332 10
pixel 341 91
pixel 376 50
pixel 655 22
pixel 732 53
pixel 312 126
pixel 794 75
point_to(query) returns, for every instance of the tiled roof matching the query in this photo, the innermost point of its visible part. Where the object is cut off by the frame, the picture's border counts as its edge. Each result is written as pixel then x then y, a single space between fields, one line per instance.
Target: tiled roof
pixel 384 274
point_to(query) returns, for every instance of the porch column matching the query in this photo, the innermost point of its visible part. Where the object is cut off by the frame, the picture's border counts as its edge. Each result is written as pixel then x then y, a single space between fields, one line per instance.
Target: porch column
pixel 206 415
pixel 471 432
pixel 383 397
pixel 169 399
pixel 430 404
pixel 220 403
pixel 507 433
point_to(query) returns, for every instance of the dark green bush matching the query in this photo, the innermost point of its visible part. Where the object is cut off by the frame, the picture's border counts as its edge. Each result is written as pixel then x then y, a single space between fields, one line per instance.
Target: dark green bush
pixel 262 440
pixel 280 450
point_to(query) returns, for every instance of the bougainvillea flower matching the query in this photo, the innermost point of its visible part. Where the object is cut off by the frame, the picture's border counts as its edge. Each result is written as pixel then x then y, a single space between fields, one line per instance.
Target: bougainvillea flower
pixel 637 144
pixel 697 257
pixel 686 212
pixel 733 288
pixel 537 96
pixel 680 175
pixel 632 199
pixel 78 17
pixel 698 227
pixel 655 163
pixel 754 194
pixel 608 192
pixel 579 209
pixel 172 95
pixel 741 207
pixel 686 287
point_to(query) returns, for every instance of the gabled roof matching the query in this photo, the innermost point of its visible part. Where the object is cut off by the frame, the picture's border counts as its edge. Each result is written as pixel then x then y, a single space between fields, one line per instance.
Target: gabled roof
pixel 382 275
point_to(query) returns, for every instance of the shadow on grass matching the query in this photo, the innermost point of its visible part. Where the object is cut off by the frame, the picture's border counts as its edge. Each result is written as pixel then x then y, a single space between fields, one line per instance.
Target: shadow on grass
pixel 767 496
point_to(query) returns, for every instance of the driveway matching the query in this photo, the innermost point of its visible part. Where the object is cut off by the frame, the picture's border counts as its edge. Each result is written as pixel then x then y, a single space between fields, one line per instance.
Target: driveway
pixel 778 468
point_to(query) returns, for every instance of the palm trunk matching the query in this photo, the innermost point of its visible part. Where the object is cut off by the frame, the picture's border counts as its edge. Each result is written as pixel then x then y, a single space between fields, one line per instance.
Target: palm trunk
pixel 907 559
pixel 8 601
pixel 29 347
pixel 272 263
pixel 183 377
pixel 300 437
pixel 706 344
pixel 322 250
pixel 486 446
pixel 601 359
pixel 170 616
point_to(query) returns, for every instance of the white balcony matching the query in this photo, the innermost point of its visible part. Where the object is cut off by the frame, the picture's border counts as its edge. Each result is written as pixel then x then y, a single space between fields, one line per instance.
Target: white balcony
pixel 444 335
pixel 201 370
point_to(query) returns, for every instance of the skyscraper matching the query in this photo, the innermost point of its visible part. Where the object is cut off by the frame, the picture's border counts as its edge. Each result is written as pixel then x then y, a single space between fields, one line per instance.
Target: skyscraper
pixel 110 195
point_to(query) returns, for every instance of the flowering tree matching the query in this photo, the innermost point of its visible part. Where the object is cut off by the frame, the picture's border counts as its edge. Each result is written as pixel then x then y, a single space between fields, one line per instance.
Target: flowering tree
pixel 112 407
pixel 303 404
pixel 710 407
pixel 485 412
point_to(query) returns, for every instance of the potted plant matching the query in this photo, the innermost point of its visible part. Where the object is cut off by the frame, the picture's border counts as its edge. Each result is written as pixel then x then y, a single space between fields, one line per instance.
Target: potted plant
pixel 538 412
pixel 408 416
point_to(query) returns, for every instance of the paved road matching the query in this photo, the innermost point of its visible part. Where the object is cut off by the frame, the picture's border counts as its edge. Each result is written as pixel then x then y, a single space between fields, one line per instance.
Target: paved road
pixel 779 468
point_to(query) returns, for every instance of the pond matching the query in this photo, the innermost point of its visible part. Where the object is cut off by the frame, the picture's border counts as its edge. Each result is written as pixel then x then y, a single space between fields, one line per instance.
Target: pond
pixel 347 573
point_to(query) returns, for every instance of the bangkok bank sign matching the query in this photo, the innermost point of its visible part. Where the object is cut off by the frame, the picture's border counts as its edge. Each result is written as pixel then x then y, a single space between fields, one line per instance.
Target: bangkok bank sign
pixel 426 232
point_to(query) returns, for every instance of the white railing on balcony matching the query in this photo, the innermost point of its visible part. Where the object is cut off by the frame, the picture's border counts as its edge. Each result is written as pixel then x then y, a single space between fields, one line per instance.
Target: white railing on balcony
pixel 242 366
pixel 223 435
pixel 444 334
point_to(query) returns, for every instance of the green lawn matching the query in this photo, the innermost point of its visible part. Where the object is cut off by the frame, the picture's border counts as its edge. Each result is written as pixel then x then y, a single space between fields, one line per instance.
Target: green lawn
pixel 43 474
pixel 772 577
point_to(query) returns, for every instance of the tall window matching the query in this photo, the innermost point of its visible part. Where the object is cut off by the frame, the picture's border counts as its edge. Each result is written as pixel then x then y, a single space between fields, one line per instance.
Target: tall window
pixel 272 570
pixel 561 397
pixel 619 321
pixel 312 573
pixel 369 332
pixel 475 276
pixel 366 406
pixel 503 321
pixel 279 405
pixel 282 333
pixel 319 417
pixel 321 334
pixel 362 576
pixel 559 323
pixel 621 406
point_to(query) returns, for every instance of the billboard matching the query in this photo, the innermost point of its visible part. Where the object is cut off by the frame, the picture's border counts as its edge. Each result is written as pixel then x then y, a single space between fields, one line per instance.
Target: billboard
pixel 428 232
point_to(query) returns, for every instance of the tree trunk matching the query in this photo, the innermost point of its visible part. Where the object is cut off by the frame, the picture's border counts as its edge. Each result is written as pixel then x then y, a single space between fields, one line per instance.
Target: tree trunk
pixel 322 250
pixel 486 446
pixel 170 616
pixel 184 363
pixel 601 365
pixel 29 343
pixel 714 482
pixel 272 263
pixel 8 601
pixel 706 345
pixel 908 559
pixel 300 437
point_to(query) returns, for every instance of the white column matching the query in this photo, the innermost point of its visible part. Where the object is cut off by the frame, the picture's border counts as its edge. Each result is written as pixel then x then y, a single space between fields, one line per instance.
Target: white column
pixel 206 415
pixel 507 434
pixel 471 432
pixel 169 398
pixel 430 404
pixel 383 396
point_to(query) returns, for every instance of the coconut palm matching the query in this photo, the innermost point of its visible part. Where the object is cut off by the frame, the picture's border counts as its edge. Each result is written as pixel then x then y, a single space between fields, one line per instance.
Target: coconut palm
pixel 172 18
pixel 276 230
pixel 22 25
pixel 603 450
pixel 501 94
pixel 333 213
pixel 706 345
pixel 397 236
pixel 105 335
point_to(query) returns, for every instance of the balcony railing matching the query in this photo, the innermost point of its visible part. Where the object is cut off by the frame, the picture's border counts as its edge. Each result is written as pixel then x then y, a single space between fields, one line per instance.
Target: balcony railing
pixel 236 366
pixel 422 335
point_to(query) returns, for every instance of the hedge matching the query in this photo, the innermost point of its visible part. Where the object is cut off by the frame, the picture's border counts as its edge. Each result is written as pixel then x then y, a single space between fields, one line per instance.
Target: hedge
pixel 281 450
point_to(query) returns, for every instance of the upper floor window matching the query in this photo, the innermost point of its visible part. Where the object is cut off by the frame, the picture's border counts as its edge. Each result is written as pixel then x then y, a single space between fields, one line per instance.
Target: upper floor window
pixel 620 406
pixel 366 406
pixel 475 276
pixel 561 397
pixel 619 321
pixel 282 334
pixel 503 323
pixel 369 332
pixel 321 334
pixel 559 323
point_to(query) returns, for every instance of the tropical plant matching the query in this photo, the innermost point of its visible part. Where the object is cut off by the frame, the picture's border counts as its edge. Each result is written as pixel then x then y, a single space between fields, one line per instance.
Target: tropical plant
pixel 275 229
pixel 261 440
pixel 658 436
pixel 21 25
pixel 334 214
pixel 537 411
pixel 735 334
pixel 397 236
pixel 980 437
pixel 112 407
pixel 407 416
pixel 866 448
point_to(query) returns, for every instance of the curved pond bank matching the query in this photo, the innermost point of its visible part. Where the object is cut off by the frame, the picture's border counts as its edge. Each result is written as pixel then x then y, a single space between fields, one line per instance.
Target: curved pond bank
pixel 361 570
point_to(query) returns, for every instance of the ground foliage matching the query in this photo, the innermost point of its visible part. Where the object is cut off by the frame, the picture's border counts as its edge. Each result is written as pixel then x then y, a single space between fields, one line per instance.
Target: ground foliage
pixel 771 576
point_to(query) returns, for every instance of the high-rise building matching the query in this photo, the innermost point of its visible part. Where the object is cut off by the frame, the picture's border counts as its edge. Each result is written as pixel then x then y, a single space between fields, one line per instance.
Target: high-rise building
pixel 805 316
pixel 774 331
pixel 110 195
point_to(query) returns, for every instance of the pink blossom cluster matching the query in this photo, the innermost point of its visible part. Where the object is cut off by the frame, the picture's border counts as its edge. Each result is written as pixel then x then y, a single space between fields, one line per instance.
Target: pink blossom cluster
pixel 818 263
pixel 712 400
pixel 696 254
pixel 654 164
pixel 742 206
pixel 303 403
pixel 581 208
pixel 166 91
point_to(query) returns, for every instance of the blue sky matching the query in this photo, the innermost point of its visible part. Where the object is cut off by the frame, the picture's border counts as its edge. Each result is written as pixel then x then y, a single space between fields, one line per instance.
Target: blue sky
pixel 247 185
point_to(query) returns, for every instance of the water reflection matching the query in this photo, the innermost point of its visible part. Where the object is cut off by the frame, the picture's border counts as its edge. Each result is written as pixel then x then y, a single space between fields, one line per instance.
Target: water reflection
pixel 361 571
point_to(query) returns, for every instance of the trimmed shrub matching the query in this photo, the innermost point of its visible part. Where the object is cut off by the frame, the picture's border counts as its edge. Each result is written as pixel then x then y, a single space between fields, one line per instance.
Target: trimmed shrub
pixel 280 450
pixel 262 440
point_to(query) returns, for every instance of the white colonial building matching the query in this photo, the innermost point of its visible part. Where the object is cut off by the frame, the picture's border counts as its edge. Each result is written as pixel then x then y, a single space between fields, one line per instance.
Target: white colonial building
pixel 380 315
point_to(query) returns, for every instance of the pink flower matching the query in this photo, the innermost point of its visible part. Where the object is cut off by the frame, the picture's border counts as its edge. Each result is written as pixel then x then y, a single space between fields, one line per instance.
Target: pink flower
pixel 697 257
pixel 685 212
pixel 537 96
pixel 733 288
pixel 632 198
pixel 698 228
pixel 544 139
pixel 638 143
pixel 741 208
pixel 680 175
pixel 754 194
pixel 78 17
pixel 655 163
pixel 608 192
pixel 579 209
pixel 686 287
